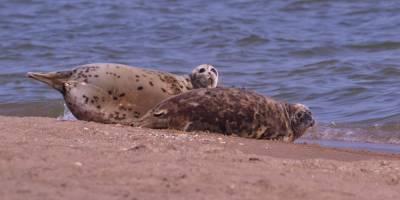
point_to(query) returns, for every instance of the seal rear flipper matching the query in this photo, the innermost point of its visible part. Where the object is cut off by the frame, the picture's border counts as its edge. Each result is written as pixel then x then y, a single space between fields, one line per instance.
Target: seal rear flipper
pixel 54 79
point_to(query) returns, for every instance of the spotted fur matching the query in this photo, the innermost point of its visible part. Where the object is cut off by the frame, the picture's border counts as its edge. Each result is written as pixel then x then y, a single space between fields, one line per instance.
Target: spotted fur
pixel 230 111
pixel 115 93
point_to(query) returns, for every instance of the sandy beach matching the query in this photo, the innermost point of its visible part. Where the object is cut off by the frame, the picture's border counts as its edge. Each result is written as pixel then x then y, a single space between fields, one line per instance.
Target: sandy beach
pixel 42 158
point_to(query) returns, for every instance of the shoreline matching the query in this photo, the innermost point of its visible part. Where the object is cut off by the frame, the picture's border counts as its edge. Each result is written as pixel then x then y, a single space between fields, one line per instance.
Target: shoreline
pixel 43 158
pixel 353 145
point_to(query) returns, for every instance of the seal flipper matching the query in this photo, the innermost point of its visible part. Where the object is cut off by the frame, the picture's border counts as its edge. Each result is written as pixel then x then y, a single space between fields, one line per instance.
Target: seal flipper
pixel 54 79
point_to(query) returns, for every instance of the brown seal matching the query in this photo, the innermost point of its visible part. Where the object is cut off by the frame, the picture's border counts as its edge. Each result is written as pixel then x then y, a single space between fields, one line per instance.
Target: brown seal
pixel 230 111
pixel 115 93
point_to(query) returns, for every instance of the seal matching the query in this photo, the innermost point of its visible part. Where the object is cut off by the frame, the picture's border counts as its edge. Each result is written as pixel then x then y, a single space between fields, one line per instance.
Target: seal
pixel 230 111
pixel 116 93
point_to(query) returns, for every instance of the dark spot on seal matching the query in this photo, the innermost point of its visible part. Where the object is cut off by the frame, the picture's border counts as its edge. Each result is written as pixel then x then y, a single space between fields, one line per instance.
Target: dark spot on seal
pixel 140 88
pixel 85 80
pixel 151 83
pixel 118 76
pixel 136 114
pixel 137 80
pixel 254 159
pixel 161 78
pixel 137 76
pixel 86 98
pixel 163 90
pixel 98 107
pixel 122 94
pixel 90 75
pixel 96 76
pixel 115 98
pixel 109 92
pixel 92 101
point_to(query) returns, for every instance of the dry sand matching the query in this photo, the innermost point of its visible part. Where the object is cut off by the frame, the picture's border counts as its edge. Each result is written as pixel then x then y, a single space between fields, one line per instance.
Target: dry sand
pixel 42 158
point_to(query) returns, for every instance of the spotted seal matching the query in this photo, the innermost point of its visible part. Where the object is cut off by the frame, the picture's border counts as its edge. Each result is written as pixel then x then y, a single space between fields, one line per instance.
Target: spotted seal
pixel 230 111
pixel 114 93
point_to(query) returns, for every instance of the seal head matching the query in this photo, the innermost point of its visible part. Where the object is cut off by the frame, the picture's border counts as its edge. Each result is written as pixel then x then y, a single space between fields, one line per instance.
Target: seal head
pixel 300 119
pixel 204 76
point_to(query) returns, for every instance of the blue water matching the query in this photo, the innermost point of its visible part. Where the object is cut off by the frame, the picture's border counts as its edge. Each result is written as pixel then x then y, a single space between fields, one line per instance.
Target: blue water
pixel 341 58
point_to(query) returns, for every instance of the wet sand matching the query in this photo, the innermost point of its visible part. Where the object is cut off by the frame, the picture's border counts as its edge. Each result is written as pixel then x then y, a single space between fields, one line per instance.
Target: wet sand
pixel 42 158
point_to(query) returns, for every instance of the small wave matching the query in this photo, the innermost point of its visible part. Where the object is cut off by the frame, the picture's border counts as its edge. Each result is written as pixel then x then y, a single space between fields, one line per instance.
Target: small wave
pixel 69 6
pixel 313 68
pixel 300 5
pixel 31 46
pixel 252 40
pixel 316 51
pixel 375 46
pixel 67 115
pixel 391 148
pixel 390 7
pixel 390 71
pixel 381 134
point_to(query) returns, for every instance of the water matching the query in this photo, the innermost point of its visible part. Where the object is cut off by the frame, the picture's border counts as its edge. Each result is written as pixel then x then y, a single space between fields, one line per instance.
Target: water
pixel 340 58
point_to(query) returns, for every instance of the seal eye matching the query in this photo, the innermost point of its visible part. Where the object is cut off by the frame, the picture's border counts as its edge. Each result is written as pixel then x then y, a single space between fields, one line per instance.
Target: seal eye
pixel 215 71
pixel 202 70
pixel 299 115
pixel 159 113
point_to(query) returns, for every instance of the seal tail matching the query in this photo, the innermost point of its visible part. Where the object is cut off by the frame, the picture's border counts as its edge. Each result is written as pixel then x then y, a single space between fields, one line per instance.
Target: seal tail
pixel 54 79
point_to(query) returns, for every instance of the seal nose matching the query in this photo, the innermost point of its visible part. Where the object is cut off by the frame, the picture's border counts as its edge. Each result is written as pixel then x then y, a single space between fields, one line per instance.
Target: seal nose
pixel 308 117
pixel 312 122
